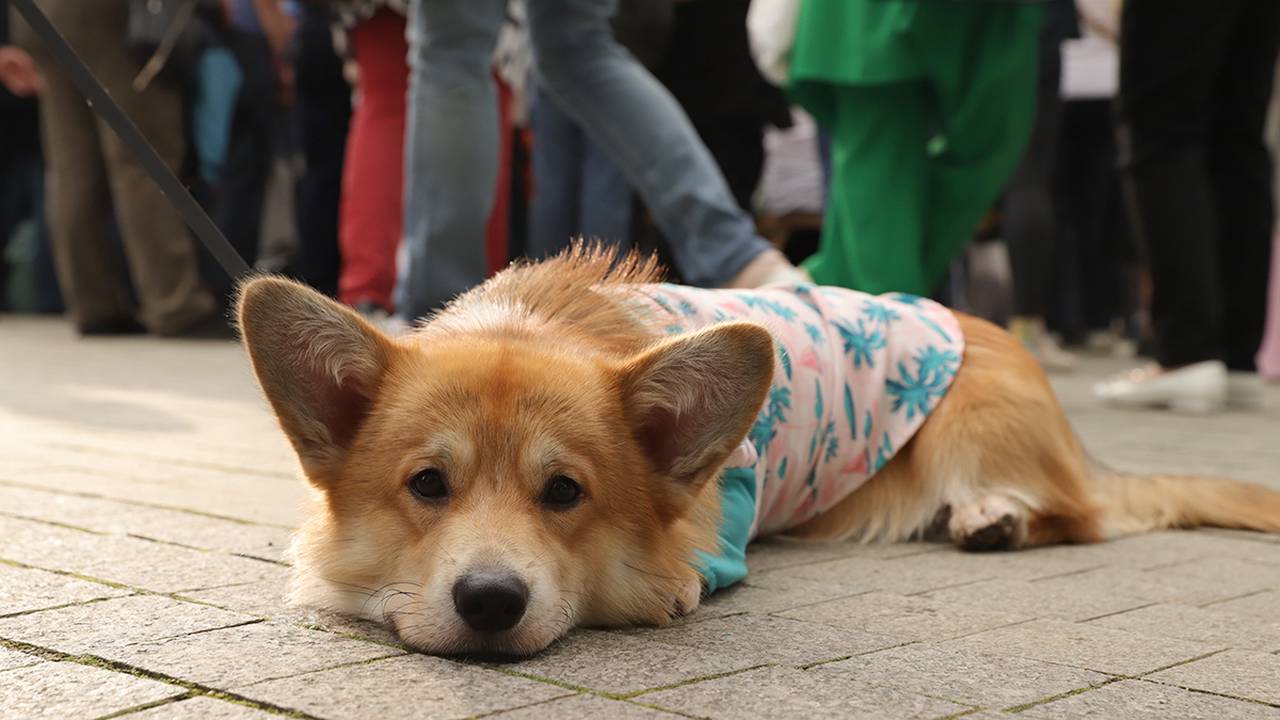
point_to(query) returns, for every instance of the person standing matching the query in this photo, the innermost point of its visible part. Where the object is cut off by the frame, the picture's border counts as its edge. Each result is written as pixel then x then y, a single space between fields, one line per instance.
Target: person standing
pixel 1195 84
pixel 92 176
pixel 1030 214
pixel 369 229
pixel 929 106
pixel 451 162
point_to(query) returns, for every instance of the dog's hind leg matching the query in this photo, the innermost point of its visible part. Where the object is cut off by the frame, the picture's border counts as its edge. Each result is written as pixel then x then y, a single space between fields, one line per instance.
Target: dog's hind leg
pixel 997 452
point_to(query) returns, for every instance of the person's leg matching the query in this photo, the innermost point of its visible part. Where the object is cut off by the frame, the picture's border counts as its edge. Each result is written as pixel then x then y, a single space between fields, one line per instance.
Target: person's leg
pixel 604 198
pixel 874 224
pixel 1240 178
pixel 323 113
pixel 451 144
pixel 558 162
pixel 1170 59
pixel 373 177
pixel 1029 221
pixel 986 110
pixel 637 122
pixel 78 207
pixel 242 186
pixel 160 253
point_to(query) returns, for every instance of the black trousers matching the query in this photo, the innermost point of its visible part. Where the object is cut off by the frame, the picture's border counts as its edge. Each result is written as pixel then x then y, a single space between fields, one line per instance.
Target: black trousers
pixel 241 191
pixel 1096 261
pixel 1030 223
pixel 1195 82
pixel 322 111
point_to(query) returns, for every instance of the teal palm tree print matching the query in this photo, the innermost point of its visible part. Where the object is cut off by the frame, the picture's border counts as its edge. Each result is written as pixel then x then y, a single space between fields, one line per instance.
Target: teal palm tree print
pixel 861 342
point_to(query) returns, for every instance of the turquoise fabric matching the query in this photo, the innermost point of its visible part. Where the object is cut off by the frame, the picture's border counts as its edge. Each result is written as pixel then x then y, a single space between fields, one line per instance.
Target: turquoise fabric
pixel 217 90
pixel 738 511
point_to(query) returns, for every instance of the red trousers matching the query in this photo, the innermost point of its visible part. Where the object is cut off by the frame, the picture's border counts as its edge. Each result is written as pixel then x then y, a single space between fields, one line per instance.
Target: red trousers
pixel 373 174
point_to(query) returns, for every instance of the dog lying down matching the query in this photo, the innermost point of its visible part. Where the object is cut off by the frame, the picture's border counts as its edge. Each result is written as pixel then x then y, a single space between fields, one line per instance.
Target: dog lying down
pixel 572 443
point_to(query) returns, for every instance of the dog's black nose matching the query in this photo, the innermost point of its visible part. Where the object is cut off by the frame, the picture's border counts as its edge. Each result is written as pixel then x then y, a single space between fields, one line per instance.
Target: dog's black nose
pixel 490 602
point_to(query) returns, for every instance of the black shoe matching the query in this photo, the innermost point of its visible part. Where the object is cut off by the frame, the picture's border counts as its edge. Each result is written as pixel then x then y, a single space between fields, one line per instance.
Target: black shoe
pixel 106 328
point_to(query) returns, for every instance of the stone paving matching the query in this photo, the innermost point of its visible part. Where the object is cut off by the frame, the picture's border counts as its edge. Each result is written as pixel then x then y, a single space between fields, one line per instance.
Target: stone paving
pixel 146 497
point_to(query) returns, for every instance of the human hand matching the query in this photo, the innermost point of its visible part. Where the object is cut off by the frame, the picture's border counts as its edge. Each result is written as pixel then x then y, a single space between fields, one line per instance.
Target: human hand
pixel 18 72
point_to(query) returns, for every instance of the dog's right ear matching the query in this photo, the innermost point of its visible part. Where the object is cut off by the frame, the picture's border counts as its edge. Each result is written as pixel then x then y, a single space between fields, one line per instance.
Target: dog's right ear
pixel 319 364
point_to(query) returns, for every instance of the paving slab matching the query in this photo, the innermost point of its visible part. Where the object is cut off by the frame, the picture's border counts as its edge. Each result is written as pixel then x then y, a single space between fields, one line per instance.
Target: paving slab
pixel 984 680
pixel 26 589
pixel 247 654
pixel 768 593
pixel 1196 582
pixel 10 659
pixel 126 560
pixel 409 686
pixel 100 627
pixel 1208 625
pixel 908 619
pixel 764 639
pixel 905 576
pixel 1239 673
pixel 119 518
pixel 267 600
pixel 1032 599
pixel 1136 700
pixel 620 663
pixel 784 692
pixel 587 707
pixel 202 708
pixel 61 690
pixel 1083 645
pixel 1263 605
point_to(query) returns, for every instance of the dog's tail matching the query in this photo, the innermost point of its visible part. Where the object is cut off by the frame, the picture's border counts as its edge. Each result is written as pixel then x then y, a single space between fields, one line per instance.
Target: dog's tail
pixel 1138 503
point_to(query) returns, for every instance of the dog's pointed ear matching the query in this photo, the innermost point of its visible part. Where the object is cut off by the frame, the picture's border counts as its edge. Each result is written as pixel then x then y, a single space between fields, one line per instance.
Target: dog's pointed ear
pixel 692 399
pixel 319 365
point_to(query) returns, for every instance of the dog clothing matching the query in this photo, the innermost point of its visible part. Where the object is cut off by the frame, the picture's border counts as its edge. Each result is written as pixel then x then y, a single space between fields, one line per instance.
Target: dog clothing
pixel 856 376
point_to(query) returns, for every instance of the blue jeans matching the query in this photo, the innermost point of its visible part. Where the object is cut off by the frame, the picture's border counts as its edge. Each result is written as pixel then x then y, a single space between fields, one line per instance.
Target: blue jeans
pixel 577 190
pixel 451 162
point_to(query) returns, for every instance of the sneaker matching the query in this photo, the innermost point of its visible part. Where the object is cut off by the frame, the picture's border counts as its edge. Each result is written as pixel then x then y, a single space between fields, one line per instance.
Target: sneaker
pixel 1111 341
pixel 1197 388
pixel 1030 331
pixel 1245 391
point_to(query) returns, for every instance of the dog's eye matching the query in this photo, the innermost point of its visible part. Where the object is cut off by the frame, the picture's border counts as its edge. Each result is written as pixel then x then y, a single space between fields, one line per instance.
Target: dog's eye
pixel 561 493
pixel 428 485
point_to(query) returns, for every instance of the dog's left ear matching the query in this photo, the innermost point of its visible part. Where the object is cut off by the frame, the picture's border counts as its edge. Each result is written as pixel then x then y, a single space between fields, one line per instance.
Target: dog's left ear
pixel 319 364
pixel 691 400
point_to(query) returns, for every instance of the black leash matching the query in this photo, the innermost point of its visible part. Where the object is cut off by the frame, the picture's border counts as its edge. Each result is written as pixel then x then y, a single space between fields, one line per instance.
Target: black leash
pixel 98 97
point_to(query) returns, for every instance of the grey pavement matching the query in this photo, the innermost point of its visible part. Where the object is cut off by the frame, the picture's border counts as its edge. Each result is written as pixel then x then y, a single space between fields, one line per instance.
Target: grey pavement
pixel 146 499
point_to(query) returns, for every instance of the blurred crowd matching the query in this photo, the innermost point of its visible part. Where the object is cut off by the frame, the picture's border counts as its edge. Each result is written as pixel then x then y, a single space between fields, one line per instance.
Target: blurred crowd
pixel 1095 175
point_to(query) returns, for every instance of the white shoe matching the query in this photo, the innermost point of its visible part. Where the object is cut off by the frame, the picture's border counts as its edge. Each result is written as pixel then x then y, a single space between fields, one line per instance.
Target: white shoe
pixel 1198 388
pixel 1110 342
pixel 1245 391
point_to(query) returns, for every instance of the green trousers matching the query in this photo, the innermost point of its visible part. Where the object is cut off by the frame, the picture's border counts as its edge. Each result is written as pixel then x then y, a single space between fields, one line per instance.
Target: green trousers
pixel 918 159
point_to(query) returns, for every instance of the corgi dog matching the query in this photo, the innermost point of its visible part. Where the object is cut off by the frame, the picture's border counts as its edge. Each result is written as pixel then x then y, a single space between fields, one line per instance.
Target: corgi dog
pixel 571 443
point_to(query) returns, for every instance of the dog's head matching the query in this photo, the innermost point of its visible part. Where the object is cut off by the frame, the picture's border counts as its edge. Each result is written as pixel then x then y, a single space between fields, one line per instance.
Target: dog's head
pixel 485 490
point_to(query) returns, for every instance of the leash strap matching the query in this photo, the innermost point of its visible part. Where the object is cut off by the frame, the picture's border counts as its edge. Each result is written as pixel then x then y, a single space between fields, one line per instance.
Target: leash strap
pixel 98 97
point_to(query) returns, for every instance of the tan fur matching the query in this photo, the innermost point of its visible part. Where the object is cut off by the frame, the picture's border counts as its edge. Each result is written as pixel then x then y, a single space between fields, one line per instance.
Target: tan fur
pixel 1000 432
pixel 547 370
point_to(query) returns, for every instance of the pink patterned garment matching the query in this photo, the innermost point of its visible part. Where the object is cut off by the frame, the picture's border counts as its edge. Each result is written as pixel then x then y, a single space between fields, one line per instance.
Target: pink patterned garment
pixel 855 378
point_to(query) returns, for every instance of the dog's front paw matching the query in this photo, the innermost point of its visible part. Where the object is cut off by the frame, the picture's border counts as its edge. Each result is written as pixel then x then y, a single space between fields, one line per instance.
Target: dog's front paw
pixel 689 598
